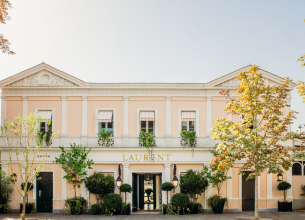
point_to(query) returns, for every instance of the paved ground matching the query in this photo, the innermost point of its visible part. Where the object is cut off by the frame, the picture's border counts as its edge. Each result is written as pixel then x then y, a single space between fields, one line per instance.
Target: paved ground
pixel 295 215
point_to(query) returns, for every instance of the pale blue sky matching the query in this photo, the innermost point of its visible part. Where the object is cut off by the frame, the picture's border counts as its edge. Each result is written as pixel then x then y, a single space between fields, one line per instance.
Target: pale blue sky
pixel 157 41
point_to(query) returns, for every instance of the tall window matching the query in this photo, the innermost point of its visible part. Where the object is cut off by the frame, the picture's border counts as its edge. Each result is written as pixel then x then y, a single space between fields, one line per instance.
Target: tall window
pixel 188 121
pixel 147 121
pixel 46 115
pixel 105 120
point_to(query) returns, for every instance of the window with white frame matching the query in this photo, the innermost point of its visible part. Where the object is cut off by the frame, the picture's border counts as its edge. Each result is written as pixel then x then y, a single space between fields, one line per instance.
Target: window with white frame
pixel 46 124
pixel 105 121
pixel 147 121
pixel 108 174
pixel 298 168
pixel 188 121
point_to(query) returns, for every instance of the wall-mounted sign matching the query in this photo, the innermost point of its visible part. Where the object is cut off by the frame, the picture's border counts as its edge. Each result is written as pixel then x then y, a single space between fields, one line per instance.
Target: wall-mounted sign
pixel 146 157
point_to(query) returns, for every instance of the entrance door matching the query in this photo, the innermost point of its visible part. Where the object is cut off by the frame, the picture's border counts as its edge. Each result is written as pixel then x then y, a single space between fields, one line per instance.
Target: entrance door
pixel 44 192
pixel 248 193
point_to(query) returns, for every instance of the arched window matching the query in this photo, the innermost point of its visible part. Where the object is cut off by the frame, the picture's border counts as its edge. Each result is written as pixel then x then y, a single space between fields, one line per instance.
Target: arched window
pixel 297 169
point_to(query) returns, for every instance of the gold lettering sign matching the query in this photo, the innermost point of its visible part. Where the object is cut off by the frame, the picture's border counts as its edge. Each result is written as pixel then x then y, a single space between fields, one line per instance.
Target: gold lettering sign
pixel 146 157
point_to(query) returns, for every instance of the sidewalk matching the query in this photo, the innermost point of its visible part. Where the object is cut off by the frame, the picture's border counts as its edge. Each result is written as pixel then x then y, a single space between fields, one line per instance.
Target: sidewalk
pixel 295 215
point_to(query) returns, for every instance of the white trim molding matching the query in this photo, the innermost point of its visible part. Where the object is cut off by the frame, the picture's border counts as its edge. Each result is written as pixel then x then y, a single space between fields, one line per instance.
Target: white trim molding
pixel 155 122
pixel 47 109
pixel 196 110
pixel 113 118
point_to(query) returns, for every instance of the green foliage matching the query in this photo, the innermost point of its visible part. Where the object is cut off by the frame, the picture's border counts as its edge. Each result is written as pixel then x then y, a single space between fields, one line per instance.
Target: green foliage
pixel 283 186
pixel 6 189
pixel 105 135
pixel 44 136
pixel 169 209
pixel 214 200
pixel 167 186
pixel 29 186
pixel 148 141
pixel 74 205
pixel 192 206
pixel 100 209
pixel 100 184
pixel 189 139
pixel 33 210
pixel 303 188
pixel 193 182
pixel 113 200
pixel 126 188
pixel 74 164
pixel 180 200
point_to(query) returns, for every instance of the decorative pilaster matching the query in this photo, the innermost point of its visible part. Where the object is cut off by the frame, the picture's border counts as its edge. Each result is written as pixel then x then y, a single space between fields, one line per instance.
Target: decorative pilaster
pixel 85 192
pixel 229 184
pixel 127 180
pixel 84 135
pixel 167 178
pixel 269 186
pixel 289 180
pixel 125 122
pixel 24 113
pixel 168 134
pixel 63 120
pixel 209 115
pixel 3 109
pixel 63 185
pixel 207 192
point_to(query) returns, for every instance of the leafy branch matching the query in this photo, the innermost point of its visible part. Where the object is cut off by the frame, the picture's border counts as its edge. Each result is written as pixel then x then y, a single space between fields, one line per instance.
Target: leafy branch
pixel 147 140
pixel 105 135
pixel 189 139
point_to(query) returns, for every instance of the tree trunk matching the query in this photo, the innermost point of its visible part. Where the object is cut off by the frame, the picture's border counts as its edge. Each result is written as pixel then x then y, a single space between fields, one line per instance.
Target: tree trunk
pixel 256 197
pixel 284 195
pixel 125 197
pixel 22 215
pixel 74 190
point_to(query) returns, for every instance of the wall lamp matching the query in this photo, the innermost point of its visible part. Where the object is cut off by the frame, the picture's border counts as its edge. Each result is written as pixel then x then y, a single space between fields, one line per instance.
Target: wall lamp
pixel 119 180
pixel 14 177
pixel 279 177
pixel 175 179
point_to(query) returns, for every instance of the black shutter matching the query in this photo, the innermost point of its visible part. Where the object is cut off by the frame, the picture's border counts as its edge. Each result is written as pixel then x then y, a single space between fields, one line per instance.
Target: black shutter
pixel 134 192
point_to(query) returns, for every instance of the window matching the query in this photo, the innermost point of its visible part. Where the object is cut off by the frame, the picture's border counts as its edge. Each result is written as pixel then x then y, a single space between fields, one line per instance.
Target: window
pixel 46 115
pixel 147 121
pixel 108 174
pixel 188 121
pixel 105 120
pixel 297 168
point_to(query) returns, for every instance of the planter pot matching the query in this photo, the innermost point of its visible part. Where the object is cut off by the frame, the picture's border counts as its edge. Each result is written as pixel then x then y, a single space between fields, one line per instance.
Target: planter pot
pixel 164 209
pixel 219 208
pixel 117 211
pixel 2 210
pixel 73 208
pixel 195 210
pixel 126 210
pixel 28 208
pixel 284 206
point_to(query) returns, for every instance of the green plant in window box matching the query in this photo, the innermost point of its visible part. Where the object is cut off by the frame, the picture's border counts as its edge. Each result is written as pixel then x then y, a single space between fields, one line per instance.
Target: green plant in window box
pixel 104 135
pixel 148 141
pixel 189 139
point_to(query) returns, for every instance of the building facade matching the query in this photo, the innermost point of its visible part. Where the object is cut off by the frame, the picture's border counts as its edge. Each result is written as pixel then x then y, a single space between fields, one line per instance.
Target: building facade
pixel 79 110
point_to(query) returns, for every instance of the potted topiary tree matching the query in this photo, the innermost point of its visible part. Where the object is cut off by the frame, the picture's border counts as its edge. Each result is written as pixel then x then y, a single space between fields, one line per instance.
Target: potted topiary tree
pixel 29 207
pixel 6 190
pixel 180 201
pixel 193 183
pixel 74 162
pixel 126 188
pixel 100 185
pixel 284 206
pixel 166 186
pixel 113 202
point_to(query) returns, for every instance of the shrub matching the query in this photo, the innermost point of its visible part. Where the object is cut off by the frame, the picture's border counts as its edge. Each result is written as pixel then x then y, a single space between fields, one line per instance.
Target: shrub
pixel 180 200
pixel 214 200
pixel 167 186
pixel 113 200
pixel 283 186
pixel 74 205
pixel 126 188
pixel 6 190
pixel 100 184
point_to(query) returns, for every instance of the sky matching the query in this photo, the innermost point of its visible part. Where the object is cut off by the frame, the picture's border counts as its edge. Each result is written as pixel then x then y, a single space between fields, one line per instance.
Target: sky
pixel 157 40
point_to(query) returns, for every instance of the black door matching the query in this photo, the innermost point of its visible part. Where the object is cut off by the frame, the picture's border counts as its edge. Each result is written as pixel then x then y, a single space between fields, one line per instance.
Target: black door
pixel 44 192
pixel 248 193
pixel 141 192
pixel 134 192
pixel 154 188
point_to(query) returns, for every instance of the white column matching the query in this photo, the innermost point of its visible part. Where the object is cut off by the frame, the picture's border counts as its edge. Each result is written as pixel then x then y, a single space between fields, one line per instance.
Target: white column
pixel 208 192
pixel 24 113
pixel 63 185
pixel 168 135
pixel 209 115
pixel 229 184
pixel 85 192
pixel 269 186
pixel 3 109
pixel 63 120
pixel 84 134
pixel 167 178
pixel 125 122
pixel 240 183
pixel 289 180
pixel 288 108
pixel 127 180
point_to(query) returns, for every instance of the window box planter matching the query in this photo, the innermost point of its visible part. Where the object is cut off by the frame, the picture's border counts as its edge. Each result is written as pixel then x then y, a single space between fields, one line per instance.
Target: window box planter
pixel 284 206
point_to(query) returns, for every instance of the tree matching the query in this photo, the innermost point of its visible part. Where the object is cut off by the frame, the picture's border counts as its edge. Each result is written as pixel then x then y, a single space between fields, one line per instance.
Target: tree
pixel 126 188
pixel 26 150
pixel 74 164
pixel 192 183
pixel 260 135
pixel 284 186
pixel 5 5
pixel 167 186
pixel 100 184
pixel 6 190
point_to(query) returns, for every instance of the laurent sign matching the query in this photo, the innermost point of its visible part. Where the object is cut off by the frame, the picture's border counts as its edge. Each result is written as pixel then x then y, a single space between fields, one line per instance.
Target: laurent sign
pixel 146 157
